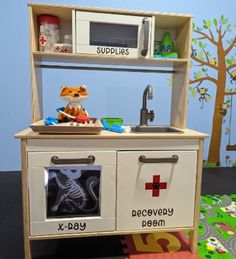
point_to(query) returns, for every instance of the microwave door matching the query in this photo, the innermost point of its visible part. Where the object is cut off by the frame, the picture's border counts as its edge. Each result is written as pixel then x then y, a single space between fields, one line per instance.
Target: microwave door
pixel 113 34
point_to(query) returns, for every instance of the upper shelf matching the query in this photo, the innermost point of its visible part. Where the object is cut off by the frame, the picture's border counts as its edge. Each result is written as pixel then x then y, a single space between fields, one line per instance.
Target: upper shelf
pixel 73 21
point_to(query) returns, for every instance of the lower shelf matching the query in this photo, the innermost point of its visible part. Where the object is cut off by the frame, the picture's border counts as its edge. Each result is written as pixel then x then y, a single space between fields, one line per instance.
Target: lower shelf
pixel 108 233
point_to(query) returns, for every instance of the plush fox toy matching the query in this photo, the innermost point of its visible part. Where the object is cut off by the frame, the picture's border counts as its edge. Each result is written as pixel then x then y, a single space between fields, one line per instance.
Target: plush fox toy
pixel 74 96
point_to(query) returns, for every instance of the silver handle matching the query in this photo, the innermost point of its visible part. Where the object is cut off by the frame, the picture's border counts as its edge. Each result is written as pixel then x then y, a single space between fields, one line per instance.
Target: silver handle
pixel 146 25
pixel 173 159
pixel 60 161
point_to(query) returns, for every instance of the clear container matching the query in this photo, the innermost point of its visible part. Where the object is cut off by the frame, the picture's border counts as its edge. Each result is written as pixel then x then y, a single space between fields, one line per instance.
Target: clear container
pixel 68 39
pixel 49 33
pixel 157 47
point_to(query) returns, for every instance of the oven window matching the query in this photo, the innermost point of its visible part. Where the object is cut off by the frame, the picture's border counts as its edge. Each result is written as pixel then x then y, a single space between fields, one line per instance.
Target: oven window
pixel 73 191
pixel 115 35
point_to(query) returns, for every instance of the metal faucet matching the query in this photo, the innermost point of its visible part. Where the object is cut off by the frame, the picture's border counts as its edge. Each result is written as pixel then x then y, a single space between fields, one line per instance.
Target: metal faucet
pixel 144 114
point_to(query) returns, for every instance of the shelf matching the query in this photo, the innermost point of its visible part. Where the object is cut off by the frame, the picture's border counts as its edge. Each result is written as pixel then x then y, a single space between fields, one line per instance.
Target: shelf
pixel 62 60
pixel 187 134
pixel 109 233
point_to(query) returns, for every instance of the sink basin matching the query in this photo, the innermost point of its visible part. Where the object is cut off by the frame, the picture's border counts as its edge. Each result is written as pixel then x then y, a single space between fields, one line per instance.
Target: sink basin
pixel 154 129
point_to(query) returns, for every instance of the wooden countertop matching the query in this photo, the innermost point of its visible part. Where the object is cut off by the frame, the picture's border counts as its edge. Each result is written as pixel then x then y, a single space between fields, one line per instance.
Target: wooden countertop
pixel 186 134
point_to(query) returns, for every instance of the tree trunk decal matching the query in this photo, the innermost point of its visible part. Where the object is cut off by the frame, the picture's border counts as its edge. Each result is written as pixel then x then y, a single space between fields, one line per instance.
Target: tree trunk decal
pixel 215 70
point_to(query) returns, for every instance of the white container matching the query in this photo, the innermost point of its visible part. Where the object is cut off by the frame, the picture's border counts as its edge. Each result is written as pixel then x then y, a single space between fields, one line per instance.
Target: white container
pixel 48 32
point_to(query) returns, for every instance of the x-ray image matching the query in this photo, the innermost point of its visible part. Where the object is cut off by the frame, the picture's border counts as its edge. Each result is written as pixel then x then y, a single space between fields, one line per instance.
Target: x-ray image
pixel 73 191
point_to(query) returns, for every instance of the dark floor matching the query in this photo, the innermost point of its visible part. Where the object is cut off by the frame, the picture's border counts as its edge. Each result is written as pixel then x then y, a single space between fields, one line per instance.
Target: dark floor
pixel 215 181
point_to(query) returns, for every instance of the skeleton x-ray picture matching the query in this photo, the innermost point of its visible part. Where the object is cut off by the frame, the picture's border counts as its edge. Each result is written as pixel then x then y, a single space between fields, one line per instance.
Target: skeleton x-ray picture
pixel 73 191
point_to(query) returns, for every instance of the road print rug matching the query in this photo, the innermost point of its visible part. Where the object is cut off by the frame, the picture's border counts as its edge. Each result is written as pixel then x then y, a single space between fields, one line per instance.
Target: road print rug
pixel 217 227
pixel 217 235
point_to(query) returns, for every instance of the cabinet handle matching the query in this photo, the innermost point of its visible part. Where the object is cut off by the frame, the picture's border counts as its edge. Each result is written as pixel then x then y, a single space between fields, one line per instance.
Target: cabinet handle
pixel 146 25
pixel 173 159
pixel 60 161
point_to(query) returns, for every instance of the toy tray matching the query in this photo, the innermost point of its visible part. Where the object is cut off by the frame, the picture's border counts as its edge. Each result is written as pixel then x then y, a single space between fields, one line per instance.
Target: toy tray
pixel 94 127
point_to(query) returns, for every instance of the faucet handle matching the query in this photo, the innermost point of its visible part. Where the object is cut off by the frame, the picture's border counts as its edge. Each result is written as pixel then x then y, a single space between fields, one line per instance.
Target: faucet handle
pixel 152 115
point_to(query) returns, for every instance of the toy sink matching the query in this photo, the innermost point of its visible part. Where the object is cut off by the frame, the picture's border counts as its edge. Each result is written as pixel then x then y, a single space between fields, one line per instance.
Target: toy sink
pixel 154 129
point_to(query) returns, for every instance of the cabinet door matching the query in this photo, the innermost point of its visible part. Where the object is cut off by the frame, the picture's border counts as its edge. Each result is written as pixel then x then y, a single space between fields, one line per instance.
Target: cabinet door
pixel 71 193
pixel 112 34
pixel 155 189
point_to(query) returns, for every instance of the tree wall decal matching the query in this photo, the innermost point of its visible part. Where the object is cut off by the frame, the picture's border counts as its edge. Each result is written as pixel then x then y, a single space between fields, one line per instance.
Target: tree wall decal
pixel 215 62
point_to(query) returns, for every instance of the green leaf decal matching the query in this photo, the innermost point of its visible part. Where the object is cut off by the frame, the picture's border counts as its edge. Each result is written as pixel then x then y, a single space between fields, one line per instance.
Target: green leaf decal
pixel 204 70
pixel 208 23
pixel 225 21
pixel 215 22
pixel 170 81
pixel 200 55
pixel 193 92
pixel 228 61
pixel 200 44
pixel 194 41
pixel 199 74
pixel 208 54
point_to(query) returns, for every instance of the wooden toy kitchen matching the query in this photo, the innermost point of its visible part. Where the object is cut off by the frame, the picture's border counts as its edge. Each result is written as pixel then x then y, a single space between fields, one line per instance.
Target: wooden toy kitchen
pixel 91 183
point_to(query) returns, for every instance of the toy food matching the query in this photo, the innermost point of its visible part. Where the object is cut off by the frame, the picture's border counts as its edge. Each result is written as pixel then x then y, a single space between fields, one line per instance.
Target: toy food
pixel 74 96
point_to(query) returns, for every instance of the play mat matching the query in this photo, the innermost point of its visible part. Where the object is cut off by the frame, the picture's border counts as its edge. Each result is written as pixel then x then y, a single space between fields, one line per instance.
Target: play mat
pixel 217 235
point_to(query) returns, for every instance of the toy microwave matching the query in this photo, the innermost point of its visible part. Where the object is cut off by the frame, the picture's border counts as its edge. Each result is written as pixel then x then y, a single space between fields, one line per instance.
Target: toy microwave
pixel 109 34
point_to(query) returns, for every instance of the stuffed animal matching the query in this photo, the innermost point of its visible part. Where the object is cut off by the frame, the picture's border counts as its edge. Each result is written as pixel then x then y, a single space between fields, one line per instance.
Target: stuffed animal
pixel 74 96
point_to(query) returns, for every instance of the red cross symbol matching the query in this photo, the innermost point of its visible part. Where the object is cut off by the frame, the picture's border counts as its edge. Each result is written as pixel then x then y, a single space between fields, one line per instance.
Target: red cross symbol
pixel 43 40
pixel 58 49
pixel 155 186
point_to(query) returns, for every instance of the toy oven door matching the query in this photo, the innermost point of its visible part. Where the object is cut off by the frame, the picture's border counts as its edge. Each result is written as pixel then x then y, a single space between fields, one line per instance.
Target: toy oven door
pixel 113 34
pixel 71 192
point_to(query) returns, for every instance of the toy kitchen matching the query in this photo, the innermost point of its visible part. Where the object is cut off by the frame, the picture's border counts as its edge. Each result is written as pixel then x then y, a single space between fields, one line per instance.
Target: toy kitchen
pixel 84 176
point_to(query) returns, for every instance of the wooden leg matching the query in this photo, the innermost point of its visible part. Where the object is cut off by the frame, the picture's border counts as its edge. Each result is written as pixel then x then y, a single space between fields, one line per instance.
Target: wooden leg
pixel 27 248
pixel 25 200
pixel 193 239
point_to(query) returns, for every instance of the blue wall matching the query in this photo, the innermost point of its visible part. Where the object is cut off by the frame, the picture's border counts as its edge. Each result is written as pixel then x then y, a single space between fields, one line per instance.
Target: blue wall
pixel 111 94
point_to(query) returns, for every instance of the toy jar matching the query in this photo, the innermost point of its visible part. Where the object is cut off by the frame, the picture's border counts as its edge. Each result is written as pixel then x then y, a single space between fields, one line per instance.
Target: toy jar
pixel 48 32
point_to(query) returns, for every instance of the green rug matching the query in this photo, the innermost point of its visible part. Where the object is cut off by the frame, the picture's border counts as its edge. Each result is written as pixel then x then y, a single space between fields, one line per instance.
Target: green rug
pixel 217 227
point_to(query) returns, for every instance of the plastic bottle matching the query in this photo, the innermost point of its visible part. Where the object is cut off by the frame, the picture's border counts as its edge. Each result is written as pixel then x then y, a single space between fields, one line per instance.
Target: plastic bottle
pixel 167 44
